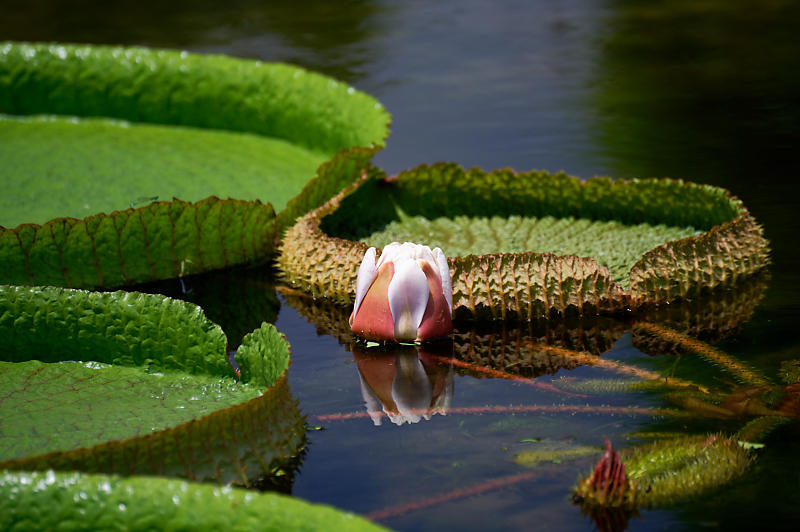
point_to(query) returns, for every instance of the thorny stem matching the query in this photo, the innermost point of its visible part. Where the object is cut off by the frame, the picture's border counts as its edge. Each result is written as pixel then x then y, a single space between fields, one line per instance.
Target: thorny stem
pixel 526 409
pixel 593 360
pixel 748 375
pixel 490 372
pixel 477 489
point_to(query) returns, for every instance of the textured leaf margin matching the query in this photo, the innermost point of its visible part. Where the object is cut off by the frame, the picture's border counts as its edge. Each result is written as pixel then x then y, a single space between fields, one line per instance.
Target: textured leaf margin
pixel 74 501
pixel 179 88
pixel 171 239
pixel 237 444
pixel 665 472
pixel 529 285
pixel 125 328
pixel 159 241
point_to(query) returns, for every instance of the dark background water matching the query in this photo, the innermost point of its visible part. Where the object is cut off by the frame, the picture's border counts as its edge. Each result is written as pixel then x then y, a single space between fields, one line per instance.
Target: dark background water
pixel 703 90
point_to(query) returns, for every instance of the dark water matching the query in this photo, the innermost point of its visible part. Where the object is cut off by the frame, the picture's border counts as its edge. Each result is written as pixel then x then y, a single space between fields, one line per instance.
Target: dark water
pixel 703 90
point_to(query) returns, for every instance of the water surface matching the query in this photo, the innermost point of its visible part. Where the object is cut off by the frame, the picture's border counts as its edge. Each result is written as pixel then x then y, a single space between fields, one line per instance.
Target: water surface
pixel 698 90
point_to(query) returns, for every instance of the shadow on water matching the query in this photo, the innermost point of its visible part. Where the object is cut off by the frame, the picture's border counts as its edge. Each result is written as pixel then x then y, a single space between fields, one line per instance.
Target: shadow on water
pixel 238 300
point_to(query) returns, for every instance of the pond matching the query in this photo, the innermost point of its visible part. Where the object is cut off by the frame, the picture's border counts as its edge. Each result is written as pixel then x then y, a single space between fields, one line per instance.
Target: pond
pixel 703 91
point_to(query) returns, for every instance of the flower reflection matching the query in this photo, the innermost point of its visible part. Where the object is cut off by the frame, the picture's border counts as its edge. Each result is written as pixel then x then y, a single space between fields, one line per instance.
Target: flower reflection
pixel 406 383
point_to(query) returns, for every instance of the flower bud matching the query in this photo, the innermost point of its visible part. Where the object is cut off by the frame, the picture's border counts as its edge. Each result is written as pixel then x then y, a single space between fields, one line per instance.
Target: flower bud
pixel 404 296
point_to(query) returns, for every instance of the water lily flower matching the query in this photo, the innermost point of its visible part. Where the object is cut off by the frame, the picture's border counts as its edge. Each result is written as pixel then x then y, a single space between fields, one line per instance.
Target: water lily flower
pixel 403 297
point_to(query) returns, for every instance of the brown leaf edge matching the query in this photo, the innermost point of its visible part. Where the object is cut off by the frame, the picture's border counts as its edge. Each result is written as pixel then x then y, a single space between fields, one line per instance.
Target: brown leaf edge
pixel 525 286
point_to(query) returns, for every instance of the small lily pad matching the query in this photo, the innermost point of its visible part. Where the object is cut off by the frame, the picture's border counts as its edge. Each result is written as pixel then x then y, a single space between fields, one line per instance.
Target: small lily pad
pixel 129 383
pixel 553 452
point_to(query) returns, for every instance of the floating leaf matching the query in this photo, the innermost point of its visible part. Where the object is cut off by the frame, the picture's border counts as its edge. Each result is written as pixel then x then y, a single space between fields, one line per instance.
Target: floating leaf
pixel 134 383
pixel 176 126
pixel 73 501
pixel 665 472
pixel 507 284
pixel 615 245
pixel 551 452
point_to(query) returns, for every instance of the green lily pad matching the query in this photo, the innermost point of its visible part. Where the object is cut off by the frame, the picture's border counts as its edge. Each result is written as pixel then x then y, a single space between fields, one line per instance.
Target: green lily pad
pixel 155 138
pixel 134 383
pixel 114 165
pixel 615 245
pixel 74 501
pixel 665 472
pixel 525 245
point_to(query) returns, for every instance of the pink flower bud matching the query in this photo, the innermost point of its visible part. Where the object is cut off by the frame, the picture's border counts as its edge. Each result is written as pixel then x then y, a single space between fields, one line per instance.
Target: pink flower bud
pixel 403 297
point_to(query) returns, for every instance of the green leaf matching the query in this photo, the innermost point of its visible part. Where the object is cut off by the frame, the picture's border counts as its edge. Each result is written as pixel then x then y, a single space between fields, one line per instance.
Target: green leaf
pixel 677 469
pixel 90 395
pixel 552 452
pixel 134 126
pixel 505 261
pixel 662 473
pixel 134 383
pixel 78 167
pixel 72 501
pixel 614 245
pixel 750 445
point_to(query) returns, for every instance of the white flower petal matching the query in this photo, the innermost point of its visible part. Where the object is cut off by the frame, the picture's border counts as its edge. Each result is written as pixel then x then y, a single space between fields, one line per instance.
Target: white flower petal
pixel 444 275
pixel 367 273
pixel 388 253
pixel 408 297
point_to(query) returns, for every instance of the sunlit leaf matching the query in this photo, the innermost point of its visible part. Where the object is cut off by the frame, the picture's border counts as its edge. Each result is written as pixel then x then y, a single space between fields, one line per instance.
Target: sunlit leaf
pixel 134 383
pixel 72 501
pixel 665 472
pixel 137 149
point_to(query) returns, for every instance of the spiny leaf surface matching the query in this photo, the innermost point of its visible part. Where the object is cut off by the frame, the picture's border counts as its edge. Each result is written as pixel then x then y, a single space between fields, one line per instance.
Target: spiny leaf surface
pixel 322 252
pixel 613 244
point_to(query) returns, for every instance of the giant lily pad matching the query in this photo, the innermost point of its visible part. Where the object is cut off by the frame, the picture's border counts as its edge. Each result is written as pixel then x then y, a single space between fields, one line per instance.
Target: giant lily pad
pixel 133 383
pixel 155 138
pixel 522 245
pixel 73 501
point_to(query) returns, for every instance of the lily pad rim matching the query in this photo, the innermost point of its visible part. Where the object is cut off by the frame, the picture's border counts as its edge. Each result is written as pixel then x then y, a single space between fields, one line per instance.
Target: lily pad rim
pixel 739 233
pixel 101 446
pixel 317 215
